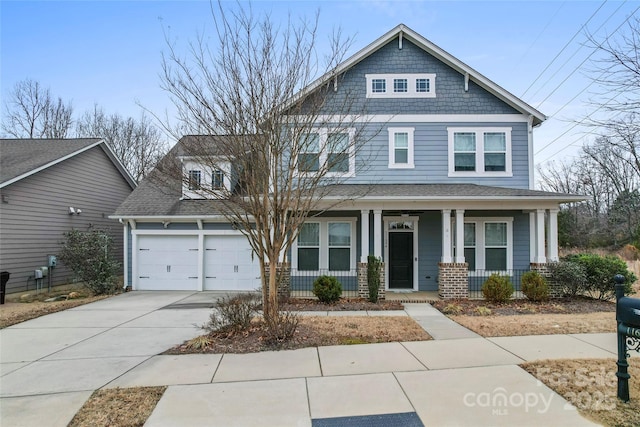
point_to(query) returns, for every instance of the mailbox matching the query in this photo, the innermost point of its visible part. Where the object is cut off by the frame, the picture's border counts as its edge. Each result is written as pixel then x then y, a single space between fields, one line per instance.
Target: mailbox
pixel 628 311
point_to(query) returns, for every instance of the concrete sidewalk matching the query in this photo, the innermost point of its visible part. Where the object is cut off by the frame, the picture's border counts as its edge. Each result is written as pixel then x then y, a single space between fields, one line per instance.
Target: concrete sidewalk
pixel 51 365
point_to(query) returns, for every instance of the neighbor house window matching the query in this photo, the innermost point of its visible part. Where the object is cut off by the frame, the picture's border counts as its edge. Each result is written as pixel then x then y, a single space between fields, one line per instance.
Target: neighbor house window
pixel 401 147
pixel 217 179
pixel 328 151
pixel 195 177
pixel 309 160
pixel 404 85
pixel 479 151
pixel 325 244
pixel 309 247
pixel 339 246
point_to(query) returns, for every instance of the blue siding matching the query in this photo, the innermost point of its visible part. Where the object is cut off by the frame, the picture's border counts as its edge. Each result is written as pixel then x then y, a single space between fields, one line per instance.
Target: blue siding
pixel 431 157
pixel 449 86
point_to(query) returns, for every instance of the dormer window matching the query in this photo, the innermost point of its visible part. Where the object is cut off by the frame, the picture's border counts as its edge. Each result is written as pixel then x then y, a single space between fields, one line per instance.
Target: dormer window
pixel 403 85
pixel 195 179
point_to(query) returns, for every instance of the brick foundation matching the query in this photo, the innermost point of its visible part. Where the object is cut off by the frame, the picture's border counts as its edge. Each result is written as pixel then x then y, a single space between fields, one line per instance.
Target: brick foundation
pixel 363 284
pixel 544 269
pixel 453 280
pixel 283 278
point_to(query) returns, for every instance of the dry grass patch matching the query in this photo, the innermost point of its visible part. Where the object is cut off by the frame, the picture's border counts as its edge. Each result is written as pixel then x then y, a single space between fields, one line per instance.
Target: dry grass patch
pixel 539 324
pixel 118 407
pixel 312 331
pixel 591 386
pixel 12 313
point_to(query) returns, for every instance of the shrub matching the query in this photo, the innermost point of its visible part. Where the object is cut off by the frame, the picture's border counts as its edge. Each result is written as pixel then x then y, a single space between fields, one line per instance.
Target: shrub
pixel 600 271
pixel 571 276
pixel 483 311
pixel 88 255
pixel 373 277
pixel 327 289
pixel 452 308
pixel 281 327
pixel 497 288
pixel 233 313
pixel 534 286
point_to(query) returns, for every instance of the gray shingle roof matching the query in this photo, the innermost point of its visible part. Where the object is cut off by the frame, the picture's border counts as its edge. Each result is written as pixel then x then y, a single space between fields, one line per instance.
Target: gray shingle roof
pixel 21 156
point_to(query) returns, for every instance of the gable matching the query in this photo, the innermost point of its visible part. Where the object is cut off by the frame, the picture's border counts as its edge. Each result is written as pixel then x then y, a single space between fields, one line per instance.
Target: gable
pixel 449 85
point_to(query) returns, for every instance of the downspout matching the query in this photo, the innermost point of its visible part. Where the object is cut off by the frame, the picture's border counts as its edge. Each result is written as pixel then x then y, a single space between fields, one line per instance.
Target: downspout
pixel 125 255
pixel 530 146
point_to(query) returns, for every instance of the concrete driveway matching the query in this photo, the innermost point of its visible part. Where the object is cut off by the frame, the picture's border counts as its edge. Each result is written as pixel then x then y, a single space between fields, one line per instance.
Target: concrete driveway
pixel 52 364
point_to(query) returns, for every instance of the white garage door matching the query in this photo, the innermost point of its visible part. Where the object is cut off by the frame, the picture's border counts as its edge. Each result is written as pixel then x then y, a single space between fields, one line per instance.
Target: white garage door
pixel 167 263
pixel 228 264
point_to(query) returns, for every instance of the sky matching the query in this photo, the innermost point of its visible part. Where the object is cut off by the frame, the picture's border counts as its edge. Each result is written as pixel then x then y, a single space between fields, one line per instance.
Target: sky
pixel 109 52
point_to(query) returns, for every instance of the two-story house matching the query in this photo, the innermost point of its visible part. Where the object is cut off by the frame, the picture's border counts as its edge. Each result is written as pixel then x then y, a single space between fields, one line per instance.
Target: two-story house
pixel 449 190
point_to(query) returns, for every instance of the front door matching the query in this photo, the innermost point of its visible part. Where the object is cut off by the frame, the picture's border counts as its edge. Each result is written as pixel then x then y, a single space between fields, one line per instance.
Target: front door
pixel 400 260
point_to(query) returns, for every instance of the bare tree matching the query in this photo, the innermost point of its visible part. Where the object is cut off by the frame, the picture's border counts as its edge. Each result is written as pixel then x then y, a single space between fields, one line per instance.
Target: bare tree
pixel 31 112
pixel 138 144
pixel 283 137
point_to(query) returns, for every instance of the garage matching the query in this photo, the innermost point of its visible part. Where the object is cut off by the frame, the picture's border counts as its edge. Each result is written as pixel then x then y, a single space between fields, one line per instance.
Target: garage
pixel 229 264
pixel 167 263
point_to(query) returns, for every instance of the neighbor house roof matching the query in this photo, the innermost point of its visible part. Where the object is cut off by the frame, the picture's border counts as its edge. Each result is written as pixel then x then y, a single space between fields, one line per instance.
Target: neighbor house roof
pixel 402 32
pixel 20 158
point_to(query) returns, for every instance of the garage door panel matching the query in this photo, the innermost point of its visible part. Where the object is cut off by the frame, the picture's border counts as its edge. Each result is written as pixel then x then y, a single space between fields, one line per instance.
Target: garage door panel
pixel 229 265
pixel 167 263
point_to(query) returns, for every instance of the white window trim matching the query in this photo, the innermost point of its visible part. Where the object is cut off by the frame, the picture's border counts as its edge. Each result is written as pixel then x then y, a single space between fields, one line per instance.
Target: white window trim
pixel 323 263
pixel 480 240
pixel 480 172
pixel 392 152
pixel 323 133
pixel 411 86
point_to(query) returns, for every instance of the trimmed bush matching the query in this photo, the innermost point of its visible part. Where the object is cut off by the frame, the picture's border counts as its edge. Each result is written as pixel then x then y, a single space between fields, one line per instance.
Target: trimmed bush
pixel 534 286
pixel 600 271
pixel 571 276
pixel 234 313
pixel 373 277
pixel 327 289
pixel 497 288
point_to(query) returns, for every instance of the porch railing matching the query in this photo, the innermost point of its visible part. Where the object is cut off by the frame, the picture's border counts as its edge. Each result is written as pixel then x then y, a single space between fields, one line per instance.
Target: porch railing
pixel 302 281
pixel 478 277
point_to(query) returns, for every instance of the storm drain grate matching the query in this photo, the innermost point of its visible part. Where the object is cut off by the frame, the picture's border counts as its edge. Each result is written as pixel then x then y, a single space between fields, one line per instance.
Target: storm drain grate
pixel 407 419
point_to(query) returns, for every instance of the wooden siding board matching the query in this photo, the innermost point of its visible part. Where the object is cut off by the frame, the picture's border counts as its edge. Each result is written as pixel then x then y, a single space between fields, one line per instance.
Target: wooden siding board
pixel 33 221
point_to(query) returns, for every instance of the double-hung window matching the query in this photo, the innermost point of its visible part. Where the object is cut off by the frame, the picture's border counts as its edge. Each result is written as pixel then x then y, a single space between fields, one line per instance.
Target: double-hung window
pixel 309 247
pixel 327 150
pixel 195 179
pixel 217 179
pixel 479 151
pixel 401 148
pixel 309 157
pixel 488 243
pixel 325 244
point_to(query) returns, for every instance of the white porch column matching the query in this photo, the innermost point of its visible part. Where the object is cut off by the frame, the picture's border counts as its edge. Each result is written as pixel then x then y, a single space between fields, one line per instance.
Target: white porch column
pixel 552 236
pixel 540 257
pixel 446 235
pixel 377 233
pixel 460 235
pixel 364 235
pixel 532 237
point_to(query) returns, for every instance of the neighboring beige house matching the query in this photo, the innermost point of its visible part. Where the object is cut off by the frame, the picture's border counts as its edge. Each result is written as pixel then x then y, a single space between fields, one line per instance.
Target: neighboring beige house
pixel 49 187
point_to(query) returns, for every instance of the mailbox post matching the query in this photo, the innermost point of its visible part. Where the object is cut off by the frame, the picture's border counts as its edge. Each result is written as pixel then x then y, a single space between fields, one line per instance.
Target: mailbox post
pixel 628 320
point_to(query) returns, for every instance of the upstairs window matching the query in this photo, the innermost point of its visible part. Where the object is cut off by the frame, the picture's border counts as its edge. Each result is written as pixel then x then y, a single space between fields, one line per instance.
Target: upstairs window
pixel 195 177
pixel 479 151
pixel 217 179
pixel 403 85
pixel 399 85
pixel 401 148
pixel 378 85
pixel 309 160
pixel 328 151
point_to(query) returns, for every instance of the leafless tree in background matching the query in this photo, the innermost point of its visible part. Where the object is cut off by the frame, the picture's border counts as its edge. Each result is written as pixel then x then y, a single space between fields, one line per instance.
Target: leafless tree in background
pixel 138 144
pixel 31 112
pixel 284 147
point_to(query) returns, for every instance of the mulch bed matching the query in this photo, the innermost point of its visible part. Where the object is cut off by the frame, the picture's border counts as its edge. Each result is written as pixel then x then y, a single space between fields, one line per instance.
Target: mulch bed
pixel 344 304
pixel 569 305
